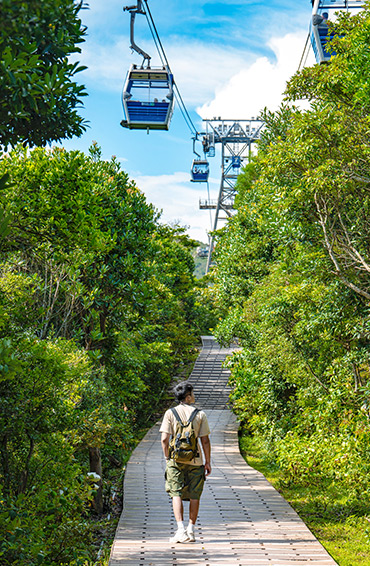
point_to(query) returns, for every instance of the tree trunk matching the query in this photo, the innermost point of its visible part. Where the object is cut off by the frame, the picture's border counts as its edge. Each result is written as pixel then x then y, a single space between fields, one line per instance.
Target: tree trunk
pixel 96 467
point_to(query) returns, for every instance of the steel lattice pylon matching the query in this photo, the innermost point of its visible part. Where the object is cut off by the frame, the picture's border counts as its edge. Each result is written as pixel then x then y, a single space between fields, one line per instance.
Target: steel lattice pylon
pixel 236 138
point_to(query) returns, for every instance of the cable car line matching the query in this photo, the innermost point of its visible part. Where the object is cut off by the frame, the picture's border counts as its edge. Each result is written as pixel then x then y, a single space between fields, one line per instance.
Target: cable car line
pixel 148 92
pixel 154 31
pixel 184 112
pixel 209 200
pixel 164 60
pixel 165 63
pixel 305 52
pixel 145 110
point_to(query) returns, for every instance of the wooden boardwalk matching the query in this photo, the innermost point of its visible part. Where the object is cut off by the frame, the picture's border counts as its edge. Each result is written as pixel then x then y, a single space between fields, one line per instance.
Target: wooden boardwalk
pixel 243 520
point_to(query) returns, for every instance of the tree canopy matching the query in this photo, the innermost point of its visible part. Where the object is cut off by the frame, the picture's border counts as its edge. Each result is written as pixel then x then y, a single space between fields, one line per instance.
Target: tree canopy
pixel 39 98
pixel 98 310
pixel 293 273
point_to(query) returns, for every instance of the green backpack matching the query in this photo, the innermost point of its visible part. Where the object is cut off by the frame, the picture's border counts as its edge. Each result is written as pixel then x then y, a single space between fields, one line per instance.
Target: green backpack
pixel 184 444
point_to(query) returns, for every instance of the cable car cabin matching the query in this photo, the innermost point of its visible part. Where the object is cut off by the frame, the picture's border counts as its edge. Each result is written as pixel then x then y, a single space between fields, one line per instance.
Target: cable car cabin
pixel 209 145
pixel 322 11
pixel 199 171
pixel 236 161
pixel 148 99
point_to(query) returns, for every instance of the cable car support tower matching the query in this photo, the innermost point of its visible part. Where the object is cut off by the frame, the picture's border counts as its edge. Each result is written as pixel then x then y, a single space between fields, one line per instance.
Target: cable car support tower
pixel 236 138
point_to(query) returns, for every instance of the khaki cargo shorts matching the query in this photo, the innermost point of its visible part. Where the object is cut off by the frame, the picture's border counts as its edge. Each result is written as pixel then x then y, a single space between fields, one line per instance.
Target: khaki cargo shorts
pixel 184 480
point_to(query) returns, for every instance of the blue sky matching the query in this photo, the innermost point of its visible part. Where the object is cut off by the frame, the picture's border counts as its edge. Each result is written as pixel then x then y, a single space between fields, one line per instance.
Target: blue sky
pixel 229 59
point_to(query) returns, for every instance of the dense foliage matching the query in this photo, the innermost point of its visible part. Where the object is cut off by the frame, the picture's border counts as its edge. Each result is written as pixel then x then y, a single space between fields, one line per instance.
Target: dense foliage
pixel 293 269
pixel 39 98
pixel 97 312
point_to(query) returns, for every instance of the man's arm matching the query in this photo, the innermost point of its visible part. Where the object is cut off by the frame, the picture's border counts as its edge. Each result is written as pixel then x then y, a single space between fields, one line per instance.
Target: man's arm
pixel 165 441
pixel 206 445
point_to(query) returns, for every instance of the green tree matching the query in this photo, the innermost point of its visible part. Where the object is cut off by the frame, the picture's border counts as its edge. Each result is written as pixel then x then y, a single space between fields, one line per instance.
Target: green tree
pixel 293 268
pixel 84 230
pixel 39 97
pixel 97 309
pixel 72 263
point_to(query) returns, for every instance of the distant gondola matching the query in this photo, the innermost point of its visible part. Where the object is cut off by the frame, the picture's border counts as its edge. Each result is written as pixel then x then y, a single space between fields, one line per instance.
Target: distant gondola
pixel 236 161
pixel 148 99
pixel 322 12
pixel 199 171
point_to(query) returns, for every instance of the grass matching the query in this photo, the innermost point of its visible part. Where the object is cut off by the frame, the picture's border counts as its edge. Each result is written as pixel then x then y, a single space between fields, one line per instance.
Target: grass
pixel 341 527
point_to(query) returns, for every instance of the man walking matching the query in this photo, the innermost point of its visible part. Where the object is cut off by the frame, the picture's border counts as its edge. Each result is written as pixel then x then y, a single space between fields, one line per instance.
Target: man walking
pixel 185 477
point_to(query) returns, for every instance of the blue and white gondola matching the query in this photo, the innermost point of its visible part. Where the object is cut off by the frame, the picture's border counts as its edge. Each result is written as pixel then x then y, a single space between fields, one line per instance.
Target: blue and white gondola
pixel 148 98
pixel 322 12
pixel 236 161
pixel 199 171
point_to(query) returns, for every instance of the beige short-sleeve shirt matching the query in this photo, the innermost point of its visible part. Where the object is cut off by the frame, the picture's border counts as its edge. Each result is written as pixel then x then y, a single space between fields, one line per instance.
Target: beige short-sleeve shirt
pixel 200 423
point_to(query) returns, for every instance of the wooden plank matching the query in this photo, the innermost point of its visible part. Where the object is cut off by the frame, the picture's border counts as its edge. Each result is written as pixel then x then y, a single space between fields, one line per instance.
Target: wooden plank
pixel 243 520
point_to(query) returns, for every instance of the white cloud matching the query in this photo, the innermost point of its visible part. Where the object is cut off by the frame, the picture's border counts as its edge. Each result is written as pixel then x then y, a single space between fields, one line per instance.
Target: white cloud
pixel 179 200
pixel 199 69
pixel 259 84
pixel 96 12
pixel 107 65
pixel 233 83
pixel 202 69
pixel 244 95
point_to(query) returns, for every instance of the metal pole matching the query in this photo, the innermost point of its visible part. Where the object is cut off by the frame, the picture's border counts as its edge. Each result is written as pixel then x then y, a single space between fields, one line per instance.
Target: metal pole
pixel 240 134
pixel 209 258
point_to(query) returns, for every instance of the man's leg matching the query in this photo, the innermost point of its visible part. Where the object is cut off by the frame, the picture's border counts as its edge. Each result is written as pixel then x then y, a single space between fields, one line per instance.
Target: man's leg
pixel 193 514
pixel 178 508
pixel 175 481
pixel 193 510
pixel 195 489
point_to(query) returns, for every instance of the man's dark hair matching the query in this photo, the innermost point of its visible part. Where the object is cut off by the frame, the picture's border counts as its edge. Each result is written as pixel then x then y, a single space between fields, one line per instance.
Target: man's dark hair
pixel 182 390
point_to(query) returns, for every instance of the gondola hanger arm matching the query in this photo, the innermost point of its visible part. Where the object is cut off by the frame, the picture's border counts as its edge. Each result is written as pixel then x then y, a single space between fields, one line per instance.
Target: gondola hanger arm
pixel 195 138
pixel 133 11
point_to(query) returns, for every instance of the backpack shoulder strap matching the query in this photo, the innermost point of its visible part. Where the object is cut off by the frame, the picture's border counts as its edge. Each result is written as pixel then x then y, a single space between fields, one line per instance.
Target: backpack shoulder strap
pixel 176 415
pixel 191 418
pixel 193 415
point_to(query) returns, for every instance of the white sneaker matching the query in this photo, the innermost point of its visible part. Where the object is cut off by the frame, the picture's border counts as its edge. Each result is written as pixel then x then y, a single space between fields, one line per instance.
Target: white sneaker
pixel 180 536
pixel 191 536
